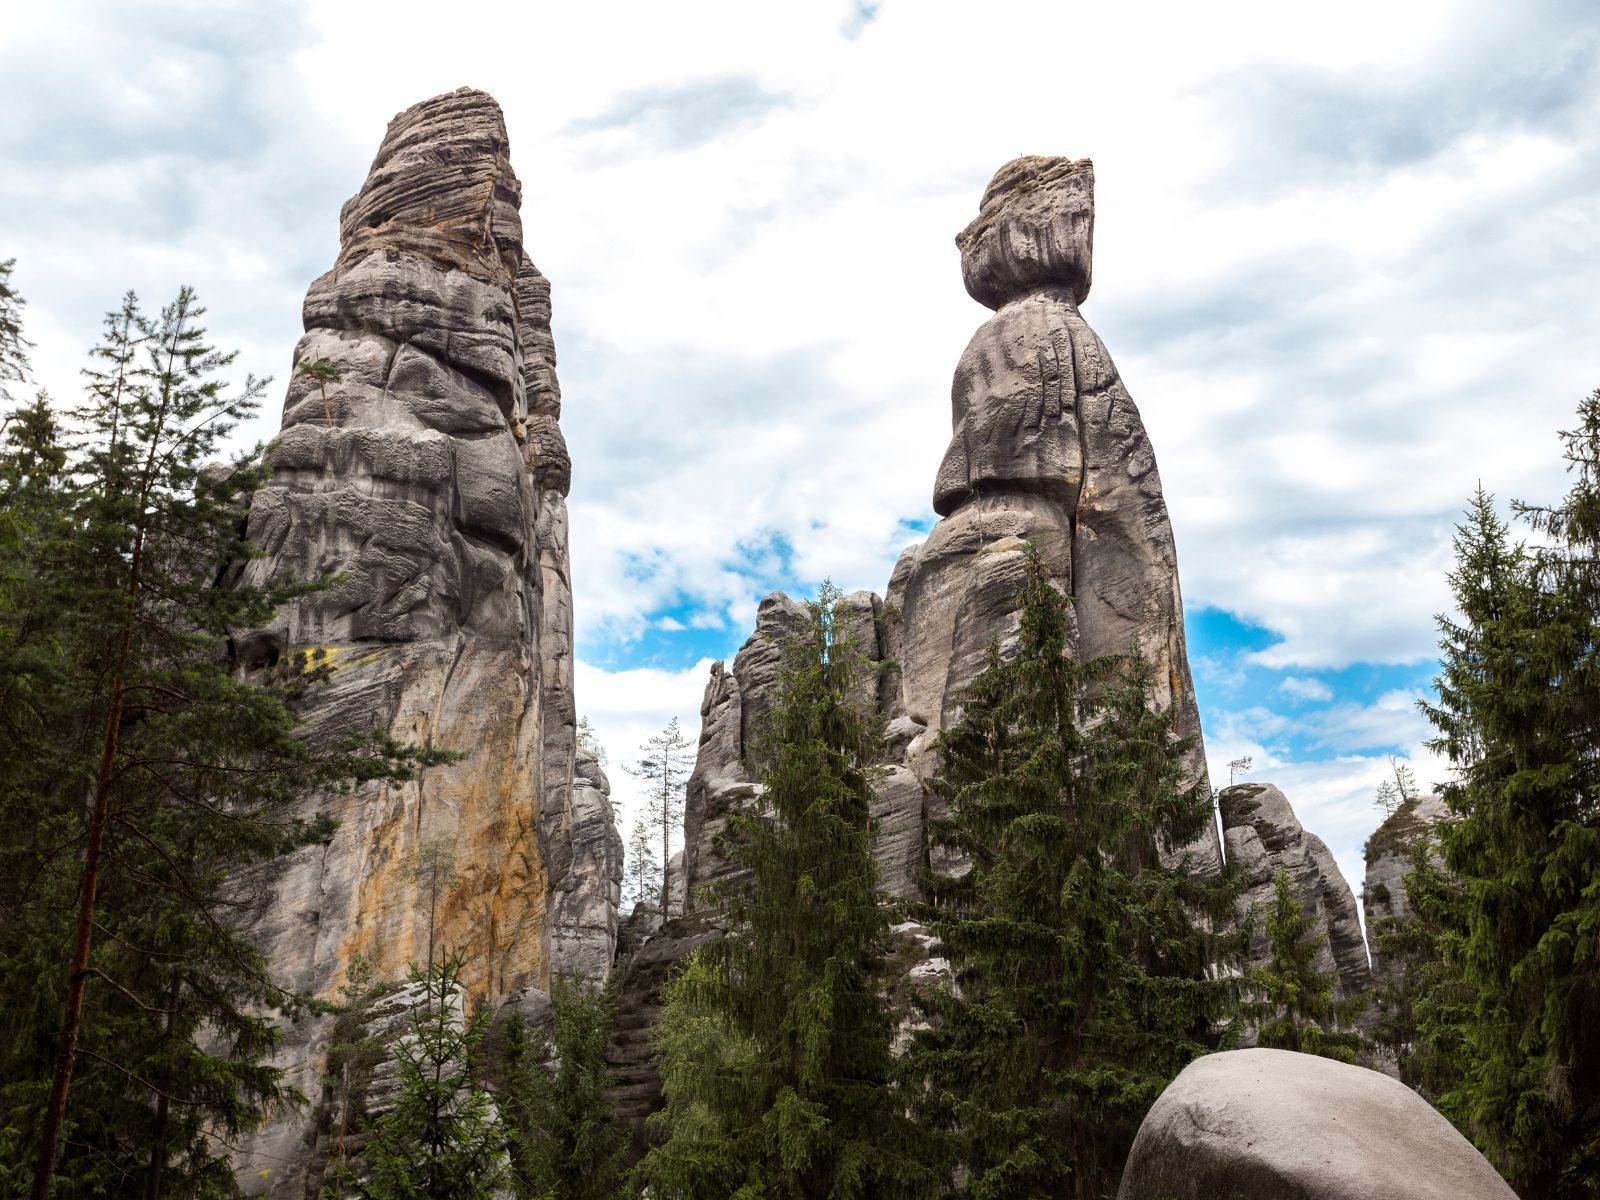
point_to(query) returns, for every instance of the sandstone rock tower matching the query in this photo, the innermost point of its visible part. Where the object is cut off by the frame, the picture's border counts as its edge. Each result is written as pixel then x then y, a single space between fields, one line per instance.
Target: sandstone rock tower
pixel 1047 445
pixel 432 475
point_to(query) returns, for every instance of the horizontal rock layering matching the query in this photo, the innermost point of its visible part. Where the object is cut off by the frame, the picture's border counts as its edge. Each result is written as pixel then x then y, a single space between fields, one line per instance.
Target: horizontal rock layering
pixel 1263 837
pixel 430 472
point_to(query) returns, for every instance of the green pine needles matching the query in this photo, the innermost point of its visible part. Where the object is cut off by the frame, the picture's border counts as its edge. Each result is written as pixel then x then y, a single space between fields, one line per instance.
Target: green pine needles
pixel 775 1042
pixel 442 1140
pixel 144 777
pixel 1082 947
pixel 564 1140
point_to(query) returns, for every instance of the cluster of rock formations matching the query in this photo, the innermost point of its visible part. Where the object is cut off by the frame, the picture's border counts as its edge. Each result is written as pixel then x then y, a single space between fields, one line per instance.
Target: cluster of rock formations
pixel 427 469
pixel 422 462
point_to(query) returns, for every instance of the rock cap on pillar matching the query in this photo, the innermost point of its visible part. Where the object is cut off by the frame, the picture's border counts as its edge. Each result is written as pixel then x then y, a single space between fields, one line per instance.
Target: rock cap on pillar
pixel 1034 230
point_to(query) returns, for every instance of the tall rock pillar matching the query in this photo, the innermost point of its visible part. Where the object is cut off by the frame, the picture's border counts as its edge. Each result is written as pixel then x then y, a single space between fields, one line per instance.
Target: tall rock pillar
pixel 428 472
pixel 1047 445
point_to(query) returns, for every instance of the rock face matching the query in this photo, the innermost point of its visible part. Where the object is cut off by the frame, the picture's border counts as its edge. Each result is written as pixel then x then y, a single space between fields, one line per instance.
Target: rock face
pixel 1047 445
pixel 1271 1124
pixel 430 473
pixel 1263 836
pixel 1388 863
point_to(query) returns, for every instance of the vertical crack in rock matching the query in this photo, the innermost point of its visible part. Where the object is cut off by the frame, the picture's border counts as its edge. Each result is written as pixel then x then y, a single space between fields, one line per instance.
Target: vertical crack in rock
pixel 438 493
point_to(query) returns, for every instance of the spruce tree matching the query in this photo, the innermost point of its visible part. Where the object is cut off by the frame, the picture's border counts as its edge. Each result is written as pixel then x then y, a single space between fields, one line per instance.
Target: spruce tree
pixel 795 1101
pixel 1295 1008
pixel 565 1142
pixel 1086 973
pixel 14 365
pixel 443 1139
pixel 148 775
pixel 1518 712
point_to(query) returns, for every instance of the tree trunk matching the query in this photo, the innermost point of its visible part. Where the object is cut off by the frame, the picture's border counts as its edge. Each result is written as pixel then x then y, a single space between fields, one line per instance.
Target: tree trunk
pixel 158 1149
pixel 77 974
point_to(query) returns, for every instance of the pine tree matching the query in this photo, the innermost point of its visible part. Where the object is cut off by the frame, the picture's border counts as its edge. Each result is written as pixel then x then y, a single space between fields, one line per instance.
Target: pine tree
pixel 564 1137
pixel 1518 712
pixel 148 776
pixel 775 1046
pixel 1295 1007
pixel 1085 975
pixel 443 1139
pixel 641 884
pixel 664 764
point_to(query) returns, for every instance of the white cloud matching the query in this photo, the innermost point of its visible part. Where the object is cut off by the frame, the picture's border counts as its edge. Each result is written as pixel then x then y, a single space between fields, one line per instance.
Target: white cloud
pixel 626 708
pixel 1299 688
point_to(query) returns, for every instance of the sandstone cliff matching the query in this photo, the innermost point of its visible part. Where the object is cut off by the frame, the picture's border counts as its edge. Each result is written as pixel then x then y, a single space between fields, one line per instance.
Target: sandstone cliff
pixel 428 471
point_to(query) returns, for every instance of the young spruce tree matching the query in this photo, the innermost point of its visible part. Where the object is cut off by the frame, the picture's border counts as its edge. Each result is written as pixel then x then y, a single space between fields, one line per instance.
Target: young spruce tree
pixel 1085 970
pixel 776 1039
pixel 1295 1008
pixel 1518 714
pixel 565 1142
pixel 443 1139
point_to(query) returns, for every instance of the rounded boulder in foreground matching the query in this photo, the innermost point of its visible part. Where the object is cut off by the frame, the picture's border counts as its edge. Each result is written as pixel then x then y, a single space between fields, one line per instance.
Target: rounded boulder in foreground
pixel 1274 1125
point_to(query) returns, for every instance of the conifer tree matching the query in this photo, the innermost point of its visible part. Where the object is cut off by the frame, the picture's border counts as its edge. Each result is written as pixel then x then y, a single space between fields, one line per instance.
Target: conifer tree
pixel 794 1099
pixel 664 764
pixel 14 365
pixel 1518 715
pixel 443 1139
pixel 641 881
pixel 148 775
pixel 565 1142
pixel 1085 973
pixel 1295 1007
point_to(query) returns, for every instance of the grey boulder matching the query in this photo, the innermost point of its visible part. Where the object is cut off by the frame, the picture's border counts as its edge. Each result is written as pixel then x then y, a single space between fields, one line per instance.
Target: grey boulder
pixel 1274 1125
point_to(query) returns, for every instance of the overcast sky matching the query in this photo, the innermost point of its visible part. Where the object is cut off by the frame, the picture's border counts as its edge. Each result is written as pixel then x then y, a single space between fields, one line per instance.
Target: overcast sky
pixel 1346 259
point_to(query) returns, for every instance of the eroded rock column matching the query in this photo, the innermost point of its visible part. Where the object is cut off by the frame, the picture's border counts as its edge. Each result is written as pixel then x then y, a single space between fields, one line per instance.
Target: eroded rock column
pixel 426 469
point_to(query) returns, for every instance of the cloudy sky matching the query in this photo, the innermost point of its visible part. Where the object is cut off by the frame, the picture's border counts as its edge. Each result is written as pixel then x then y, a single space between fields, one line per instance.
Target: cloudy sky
pixel 1346 261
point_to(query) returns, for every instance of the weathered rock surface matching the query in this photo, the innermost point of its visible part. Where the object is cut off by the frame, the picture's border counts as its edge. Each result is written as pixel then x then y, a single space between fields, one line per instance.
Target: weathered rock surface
pixel 1264 836
pixel 630 1055
pixel 1389 849
pixel 1047 445
pixel 431 475
pixel 1270 1125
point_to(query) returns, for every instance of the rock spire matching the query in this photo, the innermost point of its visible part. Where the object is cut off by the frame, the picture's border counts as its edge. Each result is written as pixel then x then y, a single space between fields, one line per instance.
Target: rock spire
pixel 1046 445
pixel 427 468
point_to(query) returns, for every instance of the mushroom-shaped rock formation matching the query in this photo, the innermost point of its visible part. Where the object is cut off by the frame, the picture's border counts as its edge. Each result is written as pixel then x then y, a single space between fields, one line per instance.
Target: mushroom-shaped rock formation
pixel 1047 445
